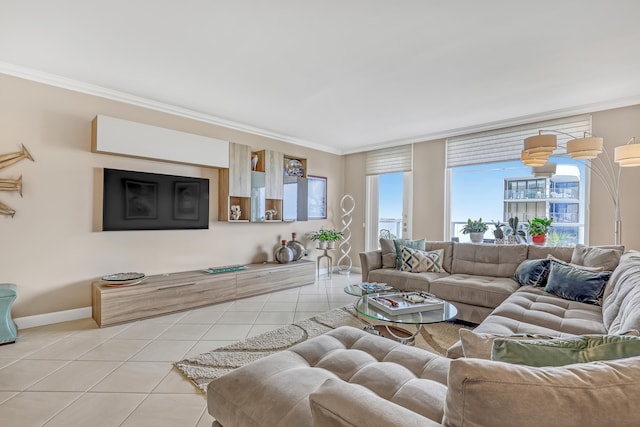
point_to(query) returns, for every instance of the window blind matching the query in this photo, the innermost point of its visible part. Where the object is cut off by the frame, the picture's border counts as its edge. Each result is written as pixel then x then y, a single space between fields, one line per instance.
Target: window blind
pixel 390 160
pixel 503 145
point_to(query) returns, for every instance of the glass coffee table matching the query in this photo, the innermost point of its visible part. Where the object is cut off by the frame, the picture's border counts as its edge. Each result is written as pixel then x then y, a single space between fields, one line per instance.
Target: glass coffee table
pixel 418 319
pixel 357 291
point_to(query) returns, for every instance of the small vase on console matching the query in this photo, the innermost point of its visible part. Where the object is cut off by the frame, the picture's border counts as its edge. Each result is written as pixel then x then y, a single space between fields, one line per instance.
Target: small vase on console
pixel 283 255
pixel 297 247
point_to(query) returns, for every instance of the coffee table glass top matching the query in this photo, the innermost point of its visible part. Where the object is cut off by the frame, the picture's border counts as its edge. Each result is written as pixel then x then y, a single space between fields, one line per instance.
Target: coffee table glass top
pixel 356 290
pixel 448 312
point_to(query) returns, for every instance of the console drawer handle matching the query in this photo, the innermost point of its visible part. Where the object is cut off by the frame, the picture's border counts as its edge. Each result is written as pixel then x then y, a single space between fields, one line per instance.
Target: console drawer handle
pixel 176 286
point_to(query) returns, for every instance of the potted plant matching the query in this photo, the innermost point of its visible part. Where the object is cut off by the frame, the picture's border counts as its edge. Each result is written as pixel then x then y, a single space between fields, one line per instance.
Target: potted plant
pixel 498 232
pixel 513 233
pixel 538 228
pixel 326 238
pixel 475 229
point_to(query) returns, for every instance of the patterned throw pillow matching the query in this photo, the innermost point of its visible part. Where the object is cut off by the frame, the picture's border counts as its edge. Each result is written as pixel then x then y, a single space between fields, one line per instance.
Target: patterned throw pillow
pixel 417 261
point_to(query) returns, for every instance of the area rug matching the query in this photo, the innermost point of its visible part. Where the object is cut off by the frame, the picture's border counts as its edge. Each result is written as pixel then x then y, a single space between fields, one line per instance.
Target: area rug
pixel 204 368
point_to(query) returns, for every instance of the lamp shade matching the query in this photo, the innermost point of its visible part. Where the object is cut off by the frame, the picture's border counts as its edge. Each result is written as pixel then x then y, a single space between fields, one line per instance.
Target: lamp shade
pixel 531 161
pixel 584 148
pixel 628 155
pixel 538 145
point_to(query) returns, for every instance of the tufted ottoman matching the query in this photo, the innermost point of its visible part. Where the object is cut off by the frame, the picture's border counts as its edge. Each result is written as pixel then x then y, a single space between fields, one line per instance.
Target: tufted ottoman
pixel 274 391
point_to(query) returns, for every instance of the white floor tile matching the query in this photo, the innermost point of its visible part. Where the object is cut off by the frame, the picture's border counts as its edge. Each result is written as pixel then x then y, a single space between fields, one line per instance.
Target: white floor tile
pixel 97 410
pixel 75 373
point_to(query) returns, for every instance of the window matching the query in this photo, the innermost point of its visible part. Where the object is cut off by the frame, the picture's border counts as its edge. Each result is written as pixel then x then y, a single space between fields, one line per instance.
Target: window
pixel 389 189
pixel 487 180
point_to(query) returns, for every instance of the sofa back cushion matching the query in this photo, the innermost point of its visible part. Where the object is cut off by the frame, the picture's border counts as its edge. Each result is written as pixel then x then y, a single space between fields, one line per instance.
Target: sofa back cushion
pixel 621 299
pixel 487 260
pixel 447 256
pixel 563 253
pixel 482 392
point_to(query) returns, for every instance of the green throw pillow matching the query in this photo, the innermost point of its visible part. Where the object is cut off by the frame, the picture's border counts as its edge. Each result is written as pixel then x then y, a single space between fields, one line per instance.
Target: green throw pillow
pixel 413 244
pixel 566 351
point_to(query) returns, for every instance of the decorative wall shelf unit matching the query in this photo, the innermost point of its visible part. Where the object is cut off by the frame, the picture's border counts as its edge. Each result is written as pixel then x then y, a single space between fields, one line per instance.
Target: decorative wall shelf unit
pixel 168 293
pixel 110 135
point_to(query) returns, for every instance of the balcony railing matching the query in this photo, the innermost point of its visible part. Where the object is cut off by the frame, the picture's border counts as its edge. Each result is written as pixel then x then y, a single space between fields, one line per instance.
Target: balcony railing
pixel 539 194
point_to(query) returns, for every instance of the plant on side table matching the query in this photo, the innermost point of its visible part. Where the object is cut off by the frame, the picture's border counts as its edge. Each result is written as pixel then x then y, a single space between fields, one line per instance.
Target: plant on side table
pixel 475 230
pixel 538 229
pixel 326 238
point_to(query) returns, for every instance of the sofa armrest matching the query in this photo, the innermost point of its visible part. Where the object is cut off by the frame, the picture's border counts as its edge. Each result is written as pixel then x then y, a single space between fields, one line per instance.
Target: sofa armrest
pixel 370 261
pixel 340 404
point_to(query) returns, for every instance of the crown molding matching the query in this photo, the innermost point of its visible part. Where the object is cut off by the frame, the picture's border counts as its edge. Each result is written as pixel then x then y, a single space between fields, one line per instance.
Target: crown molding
pixel 114 95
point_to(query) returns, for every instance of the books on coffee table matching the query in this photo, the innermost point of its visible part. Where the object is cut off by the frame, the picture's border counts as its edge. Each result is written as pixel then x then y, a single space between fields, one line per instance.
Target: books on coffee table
pixel 374 288
pixel 405 302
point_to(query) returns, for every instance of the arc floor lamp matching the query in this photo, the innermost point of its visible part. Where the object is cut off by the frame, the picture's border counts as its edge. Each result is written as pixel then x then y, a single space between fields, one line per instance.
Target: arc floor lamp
pixel 590 150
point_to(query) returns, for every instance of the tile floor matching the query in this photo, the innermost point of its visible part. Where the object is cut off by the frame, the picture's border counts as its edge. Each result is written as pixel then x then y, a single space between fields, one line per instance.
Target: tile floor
pixel 76 374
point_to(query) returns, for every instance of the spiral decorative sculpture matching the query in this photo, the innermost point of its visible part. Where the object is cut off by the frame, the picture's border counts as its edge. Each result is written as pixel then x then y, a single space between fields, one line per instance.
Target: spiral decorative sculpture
pixel 344 262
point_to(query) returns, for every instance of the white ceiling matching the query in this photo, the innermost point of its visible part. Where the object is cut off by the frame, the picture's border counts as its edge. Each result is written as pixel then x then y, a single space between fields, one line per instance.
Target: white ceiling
pixel 340 75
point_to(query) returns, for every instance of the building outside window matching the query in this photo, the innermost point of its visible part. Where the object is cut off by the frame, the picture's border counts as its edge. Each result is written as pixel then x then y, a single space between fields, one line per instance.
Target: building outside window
pixel 499 191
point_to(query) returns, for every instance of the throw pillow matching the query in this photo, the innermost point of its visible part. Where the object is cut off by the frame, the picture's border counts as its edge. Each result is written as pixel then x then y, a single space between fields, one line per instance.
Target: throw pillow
pixel 416 261
pixel 483 392
pixel 597 256
pixel 479 345
pixel 388 249
pixel 532 272
pixel 413 244
pixel 582 267
pixel 565 351
pixel 575 284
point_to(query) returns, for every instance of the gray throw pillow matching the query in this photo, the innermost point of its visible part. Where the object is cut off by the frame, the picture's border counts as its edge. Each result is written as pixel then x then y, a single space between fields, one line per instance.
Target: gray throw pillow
pixel 565 351
pixel 532 272
pixel 388 249
pixel 576 284
pixel 597 256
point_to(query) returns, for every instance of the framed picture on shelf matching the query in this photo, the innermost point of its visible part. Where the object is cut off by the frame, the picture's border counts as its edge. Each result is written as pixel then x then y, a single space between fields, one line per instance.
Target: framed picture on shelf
pixel 317 202
pixel 186 198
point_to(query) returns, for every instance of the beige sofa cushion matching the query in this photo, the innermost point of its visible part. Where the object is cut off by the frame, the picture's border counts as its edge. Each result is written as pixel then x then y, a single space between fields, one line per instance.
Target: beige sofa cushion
pixel 533 311
pixel 484 291
pixel 562 253
pixel 621 299
pixel 599 394
pixel 275 390
pixel 597 256
pixel 487 260
pixel 339 404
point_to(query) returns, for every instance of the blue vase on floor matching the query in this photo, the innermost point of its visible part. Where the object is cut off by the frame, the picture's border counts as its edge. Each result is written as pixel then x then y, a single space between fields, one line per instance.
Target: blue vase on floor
pixel 8 330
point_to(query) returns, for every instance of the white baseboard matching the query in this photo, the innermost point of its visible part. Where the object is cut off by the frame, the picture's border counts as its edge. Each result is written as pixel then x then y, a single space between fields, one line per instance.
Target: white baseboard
pixel 51 318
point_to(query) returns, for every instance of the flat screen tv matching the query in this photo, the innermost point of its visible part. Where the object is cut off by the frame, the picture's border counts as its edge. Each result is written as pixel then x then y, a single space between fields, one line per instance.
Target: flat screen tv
pixel 150 201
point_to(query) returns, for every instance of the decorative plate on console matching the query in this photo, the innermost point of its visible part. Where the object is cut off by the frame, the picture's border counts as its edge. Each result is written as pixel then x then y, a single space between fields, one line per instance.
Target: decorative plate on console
pixel 123 277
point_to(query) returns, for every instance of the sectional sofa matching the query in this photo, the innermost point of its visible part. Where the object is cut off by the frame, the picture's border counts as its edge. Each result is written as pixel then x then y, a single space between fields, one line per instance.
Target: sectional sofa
pixel 350 378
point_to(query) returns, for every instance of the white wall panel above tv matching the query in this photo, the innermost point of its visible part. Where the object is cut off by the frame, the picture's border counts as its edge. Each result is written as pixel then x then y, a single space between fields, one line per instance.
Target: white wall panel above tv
pixel 122 137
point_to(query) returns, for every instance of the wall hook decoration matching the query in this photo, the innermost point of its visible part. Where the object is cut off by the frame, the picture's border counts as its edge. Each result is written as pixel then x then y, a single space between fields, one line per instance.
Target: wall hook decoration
pixel 11 158
pixel 12 184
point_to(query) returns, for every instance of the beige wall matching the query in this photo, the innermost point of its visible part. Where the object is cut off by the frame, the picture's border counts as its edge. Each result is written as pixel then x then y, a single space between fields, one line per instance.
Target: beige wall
pixel 50 249
pixel 615 126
